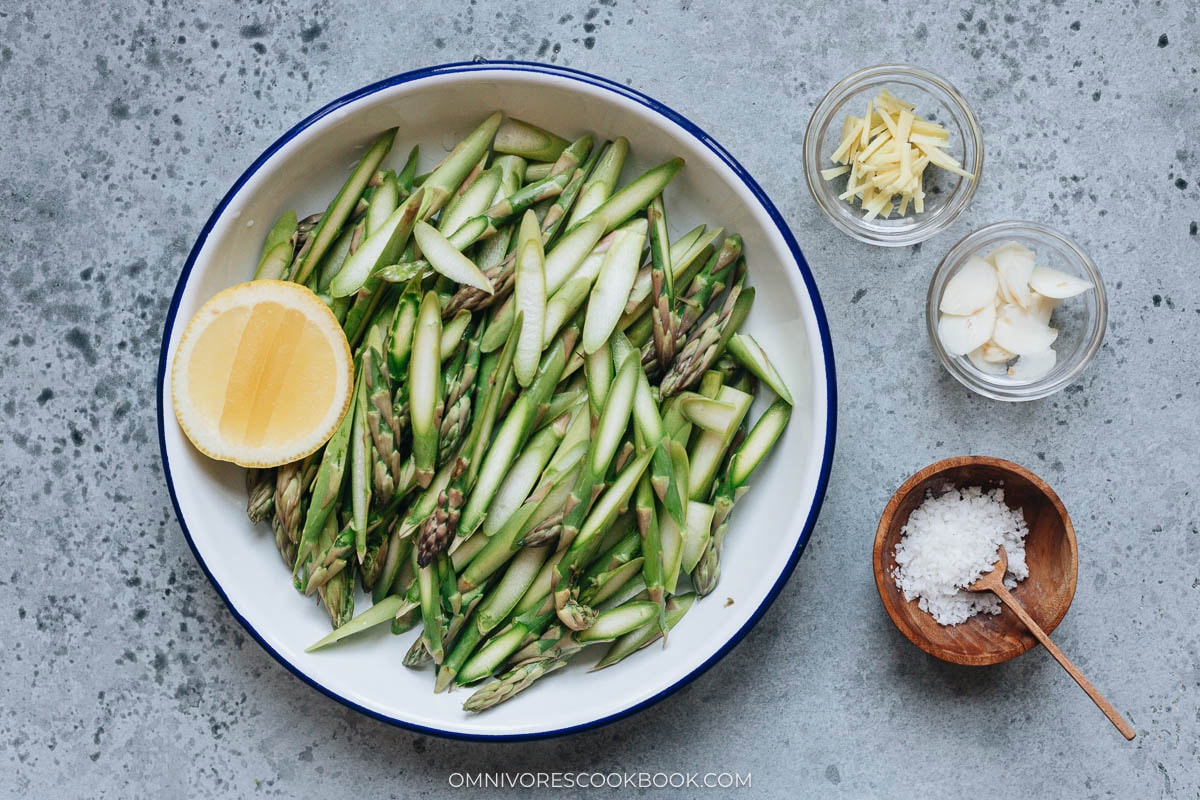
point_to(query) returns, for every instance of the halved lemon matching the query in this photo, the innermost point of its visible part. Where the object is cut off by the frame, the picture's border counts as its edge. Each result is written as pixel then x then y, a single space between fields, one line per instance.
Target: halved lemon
pixel 262 375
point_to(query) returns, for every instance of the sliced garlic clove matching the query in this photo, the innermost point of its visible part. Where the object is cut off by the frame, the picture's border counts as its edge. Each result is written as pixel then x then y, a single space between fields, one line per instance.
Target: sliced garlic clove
pixel 981 363
pixel 972 287
pixel 995 354
pixel 1014 264
pixel 1021 331
pixel 1032 366
pixel 962 334
pixel 1058 285
pixel 1042 306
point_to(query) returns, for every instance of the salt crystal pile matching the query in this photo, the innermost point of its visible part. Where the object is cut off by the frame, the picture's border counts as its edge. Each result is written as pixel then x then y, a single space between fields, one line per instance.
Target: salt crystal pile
pixel 949 542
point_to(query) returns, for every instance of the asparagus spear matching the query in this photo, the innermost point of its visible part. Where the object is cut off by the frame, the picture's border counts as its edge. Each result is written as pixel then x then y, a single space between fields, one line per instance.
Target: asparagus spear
pixel 524 139
pixel 278 249
pixel 750 354
pixel 525 472
pixel 608 626
pixel 511 437
pixel 325 493
pixel 425 386
pixel 669 474
pixel 614 211
pixel 652 564
pixel 360 465
pixel 529 619
pixel 472 201
pixel 451 172
pixel 381 422
pixel 384 200
pixel 556 216
pixel 688 255
pixel 666 324
pixel 459 397
pixel 633 641
pixel 260 494
pixel 752 451
pixel 709 282
pixel 637 195
pixel 708 341
pixel 342 205
pixel 574 614
pixel 617 407
pixel 561 262
pixel 530 299
pixel 431 611
pixel 709 448
pixel 525 524
pixel 380 612
pixel 445 258
pixel 404 178
pixel 492 611
pixel 612 286
pixel 291 484
pixel 513 682
pixel 600 184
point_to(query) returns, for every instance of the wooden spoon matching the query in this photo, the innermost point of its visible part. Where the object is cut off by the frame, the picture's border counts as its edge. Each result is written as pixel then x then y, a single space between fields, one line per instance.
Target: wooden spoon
pixel 994 582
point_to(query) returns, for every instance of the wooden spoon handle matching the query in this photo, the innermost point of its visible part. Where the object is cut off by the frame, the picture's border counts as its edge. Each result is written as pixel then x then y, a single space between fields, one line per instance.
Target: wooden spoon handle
pixel 1113 716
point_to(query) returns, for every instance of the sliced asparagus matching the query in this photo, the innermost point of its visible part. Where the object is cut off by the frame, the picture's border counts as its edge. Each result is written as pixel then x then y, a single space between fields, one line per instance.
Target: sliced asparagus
pixel 340 208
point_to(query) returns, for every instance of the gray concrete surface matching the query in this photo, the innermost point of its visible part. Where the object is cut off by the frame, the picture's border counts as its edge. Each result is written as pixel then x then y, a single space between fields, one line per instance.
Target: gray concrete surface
pixel 123 675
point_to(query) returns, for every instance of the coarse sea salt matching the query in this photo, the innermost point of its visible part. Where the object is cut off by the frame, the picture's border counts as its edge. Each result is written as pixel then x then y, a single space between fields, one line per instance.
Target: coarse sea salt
pixel 949 542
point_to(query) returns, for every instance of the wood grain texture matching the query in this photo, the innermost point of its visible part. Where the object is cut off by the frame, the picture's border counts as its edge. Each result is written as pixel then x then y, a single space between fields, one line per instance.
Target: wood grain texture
pixel 994 582
pixel 1050 552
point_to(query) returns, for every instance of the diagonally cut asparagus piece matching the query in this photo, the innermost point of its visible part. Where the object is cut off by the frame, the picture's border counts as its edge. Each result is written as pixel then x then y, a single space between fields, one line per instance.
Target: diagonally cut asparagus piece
pixel 381 247
pixel 708 449
pixel 520 138
pixel 749 455
pixel 750 354
pixel 608 626
pixel 494 609
pixel 380 612
pixel 444 257
pixel 636 195
pixel 325 492
pixel 424 382
pixel 709 282
pixel 278 250
pixel 360 464
pixel 612 502
pixel 442 182
pixel 384 200
pixel 600 183
pixel 510 438
pixel 342 205
pixel 662 281
pixel 524 474
pixel 530 299
pixel 612 286
pixel 633 641
pixel 473 201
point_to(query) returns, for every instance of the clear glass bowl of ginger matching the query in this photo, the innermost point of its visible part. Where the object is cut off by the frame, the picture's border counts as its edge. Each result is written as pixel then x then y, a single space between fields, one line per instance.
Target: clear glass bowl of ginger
pixel 911 172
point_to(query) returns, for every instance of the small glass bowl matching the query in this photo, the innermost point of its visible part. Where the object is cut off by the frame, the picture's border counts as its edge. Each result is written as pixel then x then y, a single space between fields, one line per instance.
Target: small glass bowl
pixel 947 194
pixel 1080 319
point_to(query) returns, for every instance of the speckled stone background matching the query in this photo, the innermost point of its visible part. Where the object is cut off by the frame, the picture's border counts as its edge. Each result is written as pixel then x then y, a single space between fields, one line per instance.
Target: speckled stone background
pixel 122 674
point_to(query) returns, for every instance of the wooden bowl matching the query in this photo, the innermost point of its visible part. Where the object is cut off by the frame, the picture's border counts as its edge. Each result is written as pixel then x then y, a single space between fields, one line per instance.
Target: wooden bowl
pixel 1050 552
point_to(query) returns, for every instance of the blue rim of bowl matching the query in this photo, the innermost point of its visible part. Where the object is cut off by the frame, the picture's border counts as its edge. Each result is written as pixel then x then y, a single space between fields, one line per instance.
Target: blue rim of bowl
pixel 742 174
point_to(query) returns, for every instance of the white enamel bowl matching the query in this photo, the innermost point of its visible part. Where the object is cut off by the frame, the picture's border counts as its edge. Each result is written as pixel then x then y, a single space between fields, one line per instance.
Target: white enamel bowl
pixel 434 108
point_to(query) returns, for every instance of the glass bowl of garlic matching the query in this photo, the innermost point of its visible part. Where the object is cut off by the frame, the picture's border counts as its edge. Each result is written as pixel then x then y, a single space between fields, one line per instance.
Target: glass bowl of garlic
pixel 893 154
pixel 1016 311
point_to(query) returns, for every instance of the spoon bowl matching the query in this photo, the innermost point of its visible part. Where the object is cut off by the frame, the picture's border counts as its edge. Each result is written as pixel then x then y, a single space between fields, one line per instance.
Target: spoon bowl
pixel 1050 553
